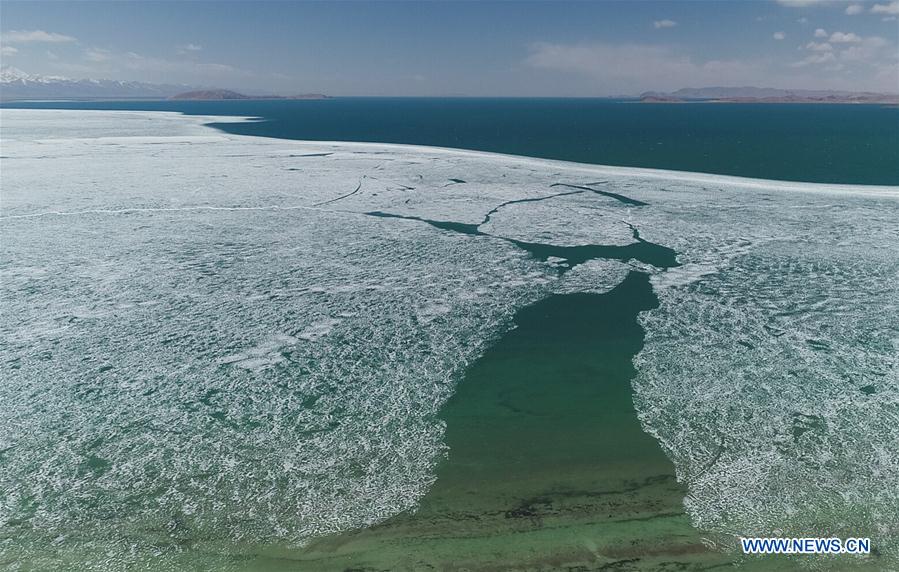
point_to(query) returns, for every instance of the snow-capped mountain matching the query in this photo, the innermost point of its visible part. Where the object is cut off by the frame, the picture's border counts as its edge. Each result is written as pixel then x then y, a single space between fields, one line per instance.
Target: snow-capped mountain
pixel 16 84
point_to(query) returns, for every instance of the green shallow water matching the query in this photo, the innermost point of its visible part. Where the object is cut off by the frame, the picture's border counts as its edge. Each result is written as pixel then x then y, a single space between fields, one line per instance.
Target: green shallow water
pixel 547 464
pixel 548 467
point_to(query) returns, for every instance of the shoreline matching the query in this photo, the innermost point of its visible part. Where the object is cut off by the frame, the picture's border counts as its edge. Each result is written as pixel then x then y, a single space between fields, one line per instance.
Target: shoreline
pixel 533 388
pixel 218 123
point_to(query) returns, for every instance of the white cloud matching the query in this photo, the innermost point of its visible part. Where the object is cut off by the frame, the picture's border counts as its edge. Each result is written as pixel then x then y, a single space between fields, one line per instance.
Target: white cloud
pixel 888 19
pixel 283 76
pixel 820 33
pixel 34 36
pixel 94 62
pixel 819 47
pixel 803 20
pixel 97 55
pixel 844 38
pixel 854 9
pixel 779 35
pixel 873 50
pixel 818 58
pixel 891 8
pixel 853 55
pixel 131 61
pixel 632 68
pixel 189 49
pixel 802 3
pixel 8 50
pixel 640 66
pixel 664 24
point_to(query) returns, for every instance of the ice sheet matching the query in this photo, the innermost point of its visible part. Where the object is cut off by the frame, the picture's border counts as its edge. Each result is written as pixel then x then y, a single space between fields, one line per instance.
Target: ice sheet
pixel 210 340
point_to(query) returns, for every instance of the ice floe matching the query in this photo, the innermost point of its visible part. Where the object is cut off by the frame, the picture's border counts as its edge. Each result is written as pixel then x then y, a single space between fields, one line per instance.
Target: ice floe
pixel 220 341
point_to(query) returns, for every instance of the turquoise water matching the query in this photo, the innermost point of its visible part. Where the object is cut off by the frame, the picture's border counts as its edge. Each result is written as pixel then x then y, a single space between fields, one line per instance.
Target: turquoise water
pixel 257 355
pixel 796 142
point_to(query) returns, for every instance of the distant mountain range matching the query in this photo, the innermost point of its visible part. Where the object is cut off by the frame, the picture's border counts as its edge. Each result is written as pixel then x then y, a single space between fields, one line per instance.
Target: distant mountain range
pixel 766 95
pixel 16 84
pixel 223 94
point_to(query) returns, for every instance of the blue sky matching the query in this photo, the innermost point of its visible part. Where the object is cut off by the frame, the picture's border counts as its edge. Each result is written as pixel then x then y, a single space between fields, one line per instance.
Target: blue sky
pixel 464 48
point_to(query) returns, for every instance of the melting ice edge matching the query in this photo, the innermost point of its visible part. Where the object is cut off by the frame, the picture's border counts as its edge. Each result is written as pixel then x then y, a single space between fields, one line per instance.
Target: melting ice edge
pixel 257 334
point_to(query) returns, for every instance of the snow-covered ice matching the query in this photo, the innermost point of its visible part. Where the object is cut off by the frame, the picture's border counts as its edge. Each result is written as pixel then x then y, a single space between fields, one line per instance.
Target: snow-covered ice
pixel 213 336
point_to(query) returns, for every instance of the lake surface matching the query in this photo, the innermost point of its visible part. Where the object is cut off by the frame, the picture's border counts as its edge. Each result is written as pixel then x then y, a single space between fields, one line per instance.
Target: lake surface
pixel 821 143
pixel 256 354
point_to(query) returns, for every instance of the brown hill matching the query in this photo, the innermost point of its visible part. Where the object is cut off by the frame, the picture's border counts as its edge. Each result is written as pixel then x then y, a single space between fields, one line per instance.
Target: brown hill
pixel 227 94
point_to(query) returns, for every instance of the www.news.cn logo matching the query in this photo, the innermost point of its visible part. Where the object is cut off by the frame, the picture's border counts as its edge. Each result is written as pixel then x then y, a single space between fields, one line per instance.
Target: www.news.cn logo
pixel 806 545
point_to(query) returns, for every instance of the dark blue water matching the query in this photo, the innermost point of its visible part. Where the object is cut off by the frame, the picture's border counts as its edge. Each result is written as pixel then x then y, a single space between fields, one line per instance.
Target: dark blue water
pixel 801 142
